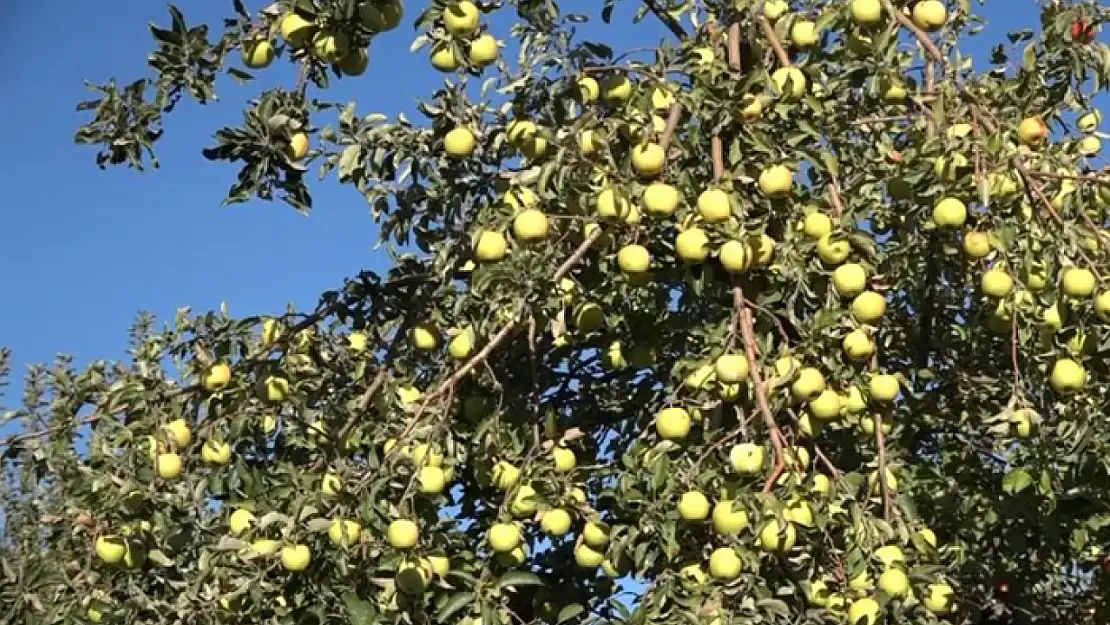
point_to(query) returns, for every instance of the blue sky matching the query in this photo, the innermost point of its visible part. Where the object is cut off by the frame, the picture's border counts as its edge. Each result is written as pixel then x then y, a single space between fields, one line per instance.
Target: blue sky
pixel 85 249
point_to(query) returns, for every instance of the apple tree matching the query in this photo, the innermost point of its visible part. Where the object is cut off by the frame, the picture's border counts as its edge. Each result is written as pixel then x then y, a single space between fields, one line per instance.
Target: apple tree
pixel 798 316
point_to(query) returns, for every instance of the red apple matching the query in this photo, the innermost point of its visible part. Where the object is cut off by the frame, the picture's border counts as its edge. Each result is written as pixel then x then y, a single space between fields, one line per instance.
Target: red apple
pixel 1081 32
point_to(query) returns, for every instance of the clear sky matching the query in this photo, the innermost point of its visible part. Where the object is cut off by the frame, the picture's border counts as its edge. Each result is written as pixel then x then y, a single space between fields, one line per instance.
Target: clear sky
pixel 83 250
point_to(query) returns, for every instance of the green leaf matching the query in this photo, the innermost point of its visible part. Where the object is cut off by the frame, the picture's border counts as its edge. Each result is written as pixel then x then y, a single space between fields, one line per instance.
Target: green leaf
pixel 568 612
pixel 457 602
pixel 519 578
pixel 359 612
pixel 1016 481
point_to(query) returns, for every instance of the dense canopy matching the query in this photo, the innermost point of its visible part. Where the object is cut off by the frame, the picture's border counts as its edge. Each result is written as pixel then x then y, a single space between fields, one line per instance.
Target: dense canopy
pixel 798 316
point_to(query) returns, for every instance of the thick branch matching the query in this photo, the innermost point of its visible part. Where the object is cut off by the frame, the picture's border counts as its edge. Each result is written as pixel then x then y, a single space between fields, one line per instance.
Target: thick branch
pixel 668 20
pixel 773 39
pixel 747 330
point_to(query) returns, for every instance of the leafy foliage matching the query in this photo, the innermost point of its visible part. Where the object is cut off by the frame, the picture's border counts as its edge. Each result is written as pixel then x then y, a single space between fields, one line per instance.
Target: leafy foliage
pixel 711 340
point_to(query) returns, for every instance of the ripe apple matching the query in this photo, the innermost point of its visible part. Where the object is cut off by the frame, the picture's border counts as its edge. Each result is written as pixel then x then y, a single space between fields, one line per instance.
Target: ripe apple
pixel 462 344
pixel 216 452
pixel 1102 304
pixel 939 598
pixel 790 83
pixel 616 89
pixel 612 204
pixel 808 385
pixel 864 611
pixel 928 537
pixel 634 259
pixel 714 205
pixel 949 213
pixel 648 159
pixel 1023 422
pixel 178 433
pixel 265 547
pixel 518 132
pixel 774 9
pixel 587 88
pixel 534 148
pixel 1083 33
pixel 504 537
pixel 444 58
pixel 295 29
pixel 402 534
pixel 849 280
pixel 662 98
pixel 866 12
pixel 432 480
pixel 258 53
pixel 587 558
pixel 833 251
pixel 595 534
pixel 890 555
pixel 1032 131
pixel 858 345
pixel 873 483
pixel 589 317
pixel 168 465
pixel 1068 376
pixel 804 33
pixel 459 142
pixel 355 63
pixel 660 199
pixel 490 246
pixel 776 181
pixel 514 558
pixel 273 389
pixel 826 406
pixel 817 225
pixel 344 532
pixel 930 15
pixel 736 256
pixel 883 387
pixel 693 506
pixel 505 475
pixel 673 424
pixel 1089 146
pixel 555 522
pixel 524 501
pixel 997 283
pixel 821 484
pixel 330 46
pixel 799 512
pixel 1088 122
pixel 240 521
pixel 331 484
pixel 976 244
pixel 590 141
pixel 381 16
pixel 1077 282
pixel 692 245
pixel 693 576
pixel 732 368
pixel 295 557
pixel 746 458
pixel 729 519
pixel 563 459
pixel 483 50
pixel 724 563
pixel 777 535
pixel 869 307
pixel 110 549
pixel 424 337
pixel 751 107
pixel 461 18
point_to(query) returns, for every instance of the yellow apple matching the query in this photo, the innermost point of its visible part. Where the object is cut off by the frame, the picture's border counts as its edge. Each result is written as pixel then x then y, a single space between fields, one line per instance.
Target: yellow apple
pixel 866 12
pixel 424 337
pixel 459 142
pixel 849 279
pixel 949 213
pixel 611 204
pixel 693 506
pixel 490 246
pixel 402 534
pixel 432 480
pixel 774 9
pixel 833 251
pixel 596 535
pixel 265 547
pixel 804 33
pixel 714 205
pixel 790 82
pixel 724 563
pixel 732 368
pixel 588 89
pixel 977 244
pixel 589 317
pixel 777 535
pixel 928 536
pixel 826 406
pixel 865 611
pixel 648 159
pixel 1088 122
pixel 518 132
pixel 692 245
pixel 295 557
pixel 461 18
pixel 483 50
pixel 883 387
pixel 939 598
pixel 809 384
pixel 673 423
pixel 524 501
pixel 587 558
pixel 298 146
pixel 505 475
pixel 930 15
pixel 555 522
pixel 890 555
pixel 817 225
pixel 1032 131
pixel 240 521
pixel 736 256
pixel 616 89
pixel 381 16
pixel 444 58
pixel 295 29
pixel 996 283
pixel 330 46
pixel 168 465
pixel 563 459
pixel 1068 376
pixel 504 537
pixel 344 532
pixel 215 452
pixel 660 199
pixel 729 519
pixel 258 53
pixel 746 458
pixel 869 307
pixel 751 107
pixel 110 549
pixel 1077 282
pixel 634 259
pixel 1089 146
pixel 590 141
pixel 178 433
pixel 412 577
pixel 776 181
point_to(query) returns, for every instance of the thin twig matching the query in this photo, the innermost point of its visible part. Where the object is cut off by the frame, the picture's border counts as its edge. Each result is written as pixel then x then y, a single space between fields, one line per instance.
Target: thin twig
pixel 748 332
pixel 668 20
pixel 834 198
pixel 919 34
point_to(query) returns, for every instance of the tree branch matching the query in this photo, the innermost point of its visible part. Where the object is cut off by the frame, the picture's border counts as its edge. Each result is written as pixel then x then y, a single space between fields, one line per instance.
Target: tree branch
pixel 668 20
pixel 747 330
pixel 899 17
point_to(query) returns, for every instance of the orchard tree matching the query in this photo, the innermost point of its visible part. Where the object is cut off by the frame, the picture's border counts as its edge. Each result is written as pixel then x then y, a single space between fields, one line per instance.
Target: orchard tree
pixel 799 316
